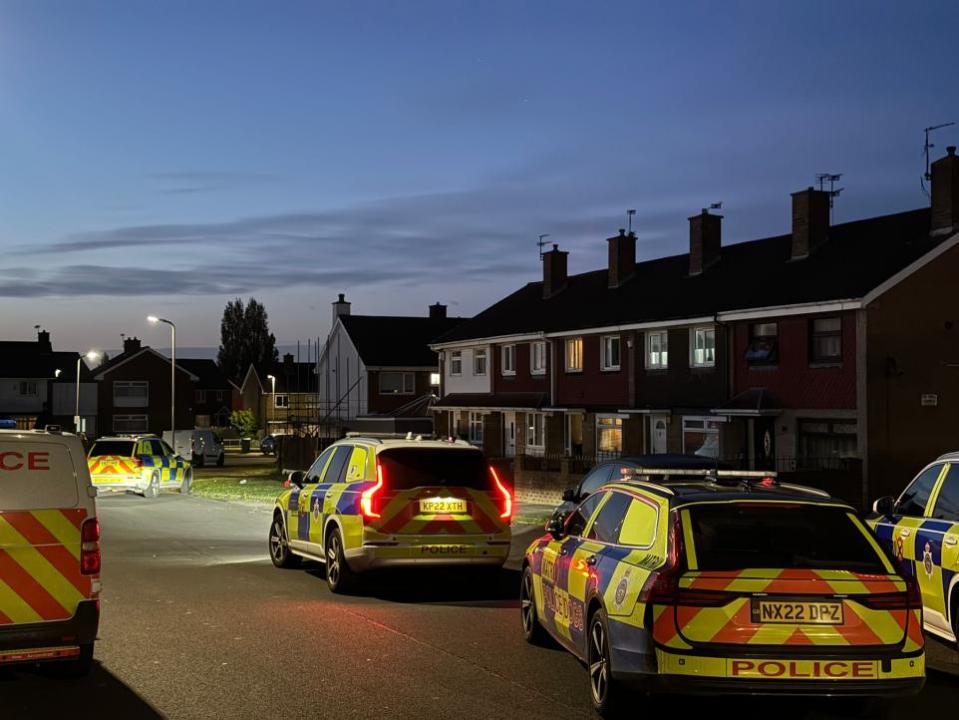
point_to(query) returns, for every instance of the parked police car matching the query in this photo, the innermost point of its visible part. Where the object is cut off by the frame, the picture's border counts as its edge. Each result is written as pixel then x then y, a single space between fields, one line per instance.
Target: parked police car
pixel 49 551
pixel 144 464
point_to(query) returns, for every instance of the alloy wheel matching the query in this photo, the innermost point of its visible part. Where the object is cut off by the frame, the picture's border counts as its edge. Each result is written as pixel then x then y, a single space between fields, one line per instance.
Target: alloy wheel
pixel 526 603
pixel 333 559
pixel 598 663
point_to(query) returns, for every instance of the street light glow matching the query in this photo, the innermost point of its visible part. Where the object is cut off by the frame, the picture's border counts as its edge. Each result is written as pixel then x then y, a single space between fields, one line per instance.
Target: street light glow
pixel 92 355
pixel 153 319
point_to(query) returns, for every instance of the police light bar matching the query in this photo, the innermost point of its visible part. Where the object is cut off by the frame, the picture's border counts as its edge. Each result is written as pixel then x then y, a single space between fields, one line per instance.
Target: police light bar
pixel 698 472
pixel 7 424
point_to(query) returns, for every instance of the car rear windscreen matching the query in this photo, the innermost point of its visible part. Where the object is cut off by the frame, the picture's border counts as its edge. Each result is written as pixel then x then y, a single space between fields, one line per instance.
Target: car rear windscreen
pixel 407 468
pixel 36 476
pixel 123 448
pixel 736 536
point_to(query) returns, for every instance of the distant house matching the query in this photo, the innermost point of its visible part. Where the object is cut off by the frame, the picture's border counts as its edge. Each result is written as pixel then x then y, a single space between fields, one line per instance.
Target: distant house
pixel 134 392
pixel 38 385
pixel 212 393
pixel 375 368
pixel 285 403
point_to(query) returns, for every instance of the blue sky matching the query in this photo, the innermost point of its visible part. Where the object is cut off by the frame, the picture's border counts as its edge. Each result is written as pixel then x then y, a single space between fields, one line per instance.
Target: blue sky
pixel 164 157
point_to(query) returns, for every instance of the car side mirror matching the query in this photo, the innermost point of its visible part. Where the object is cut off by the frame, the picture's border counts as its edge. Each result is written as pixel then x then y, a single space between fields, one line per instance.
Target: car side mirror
pixel 569 495
pixel 885 505
pixel 297 477
pixel 556 525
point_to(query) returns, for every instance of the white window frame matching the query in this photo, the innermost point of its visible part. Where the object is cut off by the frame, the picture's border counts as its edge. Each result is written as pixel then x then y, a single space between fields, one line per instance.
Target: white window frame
pixel 456 363
pixel 219 395
pixel 508 360
pixel 537 349
pixel 199 396
pixel 480 354
pixel 27 388
pixel 122 423
pixel 407 379
pixel 531 418
pixel 605 347
pixel 704 419
pixel 476 428
pixel 693 332
pixel 572 343
pixel 130 400
pixel 281 400
pixel 663 351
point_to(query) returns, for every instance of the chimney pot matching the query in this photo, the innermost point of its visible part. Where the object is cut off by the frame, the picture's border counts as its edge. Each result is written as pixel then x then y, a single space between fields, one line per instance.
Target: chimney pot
pixel 945 193
pixel 951 149
pixel 554 271
pixel 131 344
pixel 622 258
pixel 340 307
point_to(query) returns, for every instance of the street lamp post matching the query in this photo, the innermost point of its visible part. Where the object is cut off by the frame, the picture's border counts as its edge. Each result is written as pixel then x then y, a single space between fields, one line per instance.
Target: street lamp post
pixel 271 413
pixel 154 319
pixel 92 357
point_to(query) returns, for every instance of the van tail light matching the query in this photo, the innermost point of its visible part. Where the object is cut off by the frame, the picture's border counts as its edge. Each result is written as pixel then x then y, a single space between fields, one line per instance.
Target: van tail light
pixel 911 599
pixel 506 500
pixel 368 505
pixel 662 586
pixel 138 462
pixel 90 547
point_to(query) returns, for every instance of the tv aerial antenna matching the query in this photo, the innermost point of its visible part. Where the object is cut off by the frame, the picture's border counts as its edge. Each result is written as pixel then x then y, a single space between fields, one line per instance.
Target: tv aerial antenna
pixel 833 191
pixel 629 221
pixel 541 243
pixel 713 206
pixel 926 147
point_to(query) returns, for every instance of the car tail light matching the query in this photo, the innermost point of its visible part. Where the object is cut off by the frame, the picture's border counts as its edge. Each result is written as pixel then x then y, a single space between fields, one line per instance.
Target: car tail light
pixel 368 504
pixel 911 599
pixel 506 500
pixel 704 598
pixel 90 547
pixel 662 586
pixel 138 462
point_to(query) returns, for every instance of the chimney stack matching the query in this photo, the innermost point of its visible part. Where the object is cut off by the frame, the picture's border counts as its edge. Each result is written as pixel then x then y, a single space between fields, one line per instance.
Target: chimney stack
pixel 622 258
pixel 554 271
pixel 945 193
pixel 810 221
pixel 340 307
pixel 288 361
pixel 43 341
pixel 437 312
pixel 131 344
pixel 705 241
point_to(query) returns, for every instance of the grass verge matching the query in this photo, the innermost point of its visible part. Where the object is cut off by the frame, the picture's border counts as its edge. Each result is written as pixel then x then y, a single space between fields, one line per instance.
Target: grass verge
pixel 256 489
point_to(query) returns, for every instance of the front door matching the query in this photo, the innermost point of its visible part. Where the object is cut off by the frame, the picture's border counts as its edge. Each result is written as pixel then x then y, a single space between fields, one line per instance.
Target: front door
pixel 509 434
pixel 657 435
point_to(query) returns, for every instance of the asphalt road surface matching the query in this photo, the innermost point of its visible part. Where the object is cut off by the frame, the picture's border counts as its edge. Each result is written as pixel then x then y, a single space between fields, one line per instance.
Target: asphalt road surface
pixel 198 624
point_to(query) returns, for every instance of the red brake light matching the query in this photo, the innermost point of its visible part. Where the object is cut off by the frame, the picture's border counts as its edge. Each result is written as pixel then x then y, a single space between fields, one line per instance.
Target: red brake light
pixel 368 495
pixel 911 599
pixel 662 586
pixel 138 462
pixel 90 547
pixel 507 499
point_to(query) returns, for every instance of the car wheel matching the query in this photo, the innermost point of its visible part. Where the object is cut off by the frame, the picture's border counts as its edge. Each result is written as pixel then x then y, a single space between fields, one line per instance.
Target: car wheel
pixel 604 693
pixel 153 489
pixel 220 460
pixel 533 632
pixel 954 614
pixel 187 482
pixel 280 546
pixel 339 578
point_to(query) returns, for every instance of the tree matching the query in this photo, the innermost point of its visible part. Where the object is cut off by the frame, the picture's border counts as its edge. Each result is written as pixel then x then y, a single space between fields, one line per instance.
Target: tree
pixel 245 338
pixel 244 422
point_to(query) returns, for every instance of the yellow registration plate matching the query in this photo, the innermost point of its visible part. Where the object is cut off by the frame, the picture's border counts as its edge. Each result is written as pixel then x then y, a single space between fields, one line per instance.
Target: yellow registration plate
pixel 442 506
pixel 801 612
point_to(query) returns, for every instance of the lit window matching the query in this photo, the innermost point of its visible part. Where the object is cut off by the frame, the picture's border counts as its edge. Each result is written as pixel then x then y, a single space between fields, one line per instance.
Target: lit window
pixel 610 352
pixel 396 383
pixel 703 347
pixel 537 358
pixel 456 362
pixel 435 379
pixel 609 436
pixel 281 401
pixel 479 362
pixel 657 350
pixel 574 354
pixel 509 360
pixel 536 432
pixel 763 344
pixel 826 340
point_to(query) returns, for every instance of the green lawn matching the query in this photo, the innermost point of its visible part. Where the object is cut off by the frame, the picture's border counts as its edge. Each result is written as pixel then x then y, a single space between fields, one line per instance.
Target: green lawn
pixel 257 485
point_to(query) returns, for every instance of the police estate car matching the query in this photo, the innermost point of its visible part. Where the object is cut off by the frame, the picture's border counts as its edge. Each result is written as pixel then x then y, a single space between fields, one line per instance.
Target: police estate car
pixel 921 530
pixel 49 551
pixel 144 464
pixel 726 583
pixel 373 502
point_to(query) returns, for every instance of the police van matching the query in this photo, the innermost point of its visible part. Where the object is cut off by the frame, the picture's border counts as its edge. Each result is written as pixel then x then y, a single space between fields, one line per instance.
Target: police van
pixel 49 551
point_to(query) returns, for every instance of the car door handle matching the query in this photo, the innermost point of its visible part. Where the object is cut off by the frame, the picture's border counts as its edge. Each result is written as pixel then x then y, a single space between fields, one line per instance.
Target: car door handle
pixel 591 560
pixel 951 540
pixel 904 533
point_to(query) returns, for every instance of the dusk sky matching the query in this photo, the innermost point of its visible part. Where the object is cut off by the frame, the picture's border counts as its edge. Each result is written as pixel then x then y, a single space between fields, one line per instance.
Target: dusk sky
pixel 165 157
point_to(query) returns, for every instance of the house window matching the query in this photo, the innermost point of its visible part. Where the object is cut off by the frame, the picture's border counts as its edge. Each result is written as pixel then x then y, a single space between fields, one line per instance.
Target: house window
pixel 609 436
pixel 199 396
pixel 28 388
pixel 763 344
pixel 536 433
pixel 456 362
pixel 537 358
pixel 573 434
pixel 476 428
pixel 131 393
pixel 396 383
pixel 701 437
pixel 509 359
pixel 657 350
pixel 130 423
pixel 610 352
pixel 574 354
pixel 823 444
pixel 703 347
pixel 219 396
pixel 479 362
pixel 435 380
pixel 281 401
pixel 826 340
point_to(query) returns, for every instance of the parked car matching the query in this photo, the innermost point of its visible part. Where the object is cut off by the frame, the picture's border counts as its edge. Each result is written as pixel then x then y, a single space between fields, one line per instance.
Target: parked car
pixel 144 464
pixel 201 445
pixel 268 445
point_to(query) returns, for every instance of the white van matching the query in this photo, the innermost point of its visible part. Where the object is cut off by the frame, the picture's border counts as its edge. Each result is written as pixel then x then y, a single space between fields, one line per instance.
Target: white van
pixel 49 551
pixel 201 445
